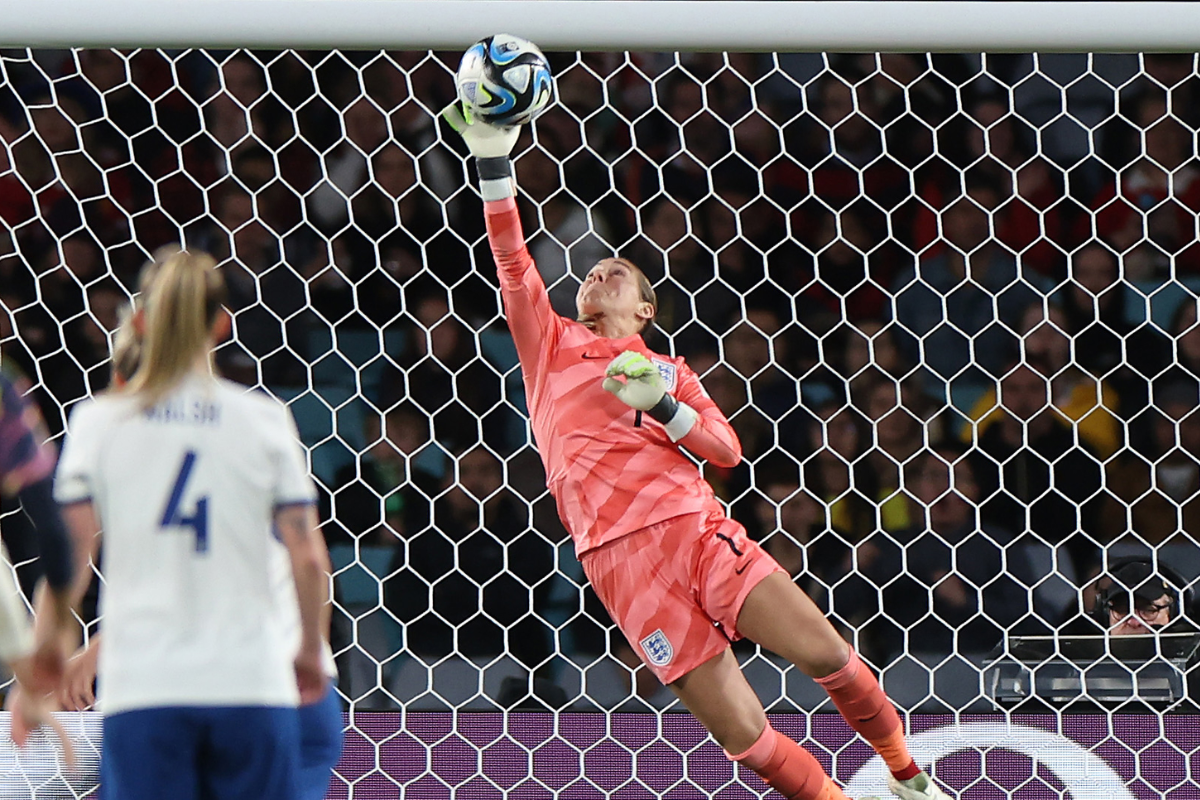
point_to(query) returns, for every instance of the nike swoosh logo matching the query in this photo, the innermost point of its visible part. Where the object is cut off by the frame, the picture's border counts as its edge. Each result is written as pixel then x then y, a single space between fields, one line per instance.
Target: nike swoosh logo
pixel 743 568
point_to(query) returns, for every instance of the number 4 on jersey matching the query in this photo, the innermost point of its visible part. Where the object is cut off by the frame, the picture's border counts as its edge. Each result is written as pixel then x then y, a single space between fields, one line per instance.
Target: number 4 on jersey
pixel 173 516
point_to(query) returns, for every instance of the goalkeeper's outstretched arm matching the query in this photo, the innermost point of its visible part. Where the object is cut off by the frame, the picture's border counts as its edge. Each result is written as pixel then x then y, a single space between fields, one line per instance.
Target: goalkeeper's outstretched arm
pixel 526 303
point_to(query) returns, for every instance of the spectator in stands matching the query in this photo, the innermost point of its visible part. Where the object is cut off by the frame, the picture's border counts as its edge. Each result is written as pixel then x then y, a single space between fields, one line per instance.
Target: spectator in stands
pixel 442 372
pixel 1033 474
pixel 910 105
pixel 948 581
pixel 1107 345
pixel 1029 221
pixel 1147 214
pixel 837 474
pixel 395 201
pixel 279 206
pixel 87 336
pixel 867 355
pixel 269 297
pixel 667 248
pixel 896 411
pixel 66 271
pixel 740 267
pixel 1183 345
pixel 855 262
pixel 241 111
pixel 788 521
pixel 846 145
pixel 953 309
pixel 386 496
pixel 347 167
pixel 792 525
pixel 1153 499
pixel 474 582
pixel 1090 403
pixel 1102 316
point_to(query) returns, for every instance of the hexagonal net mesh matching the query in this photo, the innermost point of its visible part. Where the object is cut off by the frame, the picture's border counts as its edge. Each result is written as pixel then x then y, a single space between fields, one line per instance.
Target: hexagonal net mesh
pixel 947 302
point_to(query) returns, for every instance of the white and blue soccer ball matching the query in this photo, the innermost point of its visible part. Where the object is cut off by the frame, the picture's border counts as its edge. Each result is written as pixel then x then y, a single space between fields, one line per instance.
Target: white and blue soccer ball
pixel 504 80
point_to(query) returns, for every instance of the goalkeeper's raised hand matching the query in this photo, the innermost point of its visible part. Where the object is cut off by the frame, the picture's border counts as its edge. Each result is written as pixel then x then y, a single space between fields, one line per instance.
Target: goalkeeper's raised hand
pixel 643 389
pixel 483 139
pixel 491 146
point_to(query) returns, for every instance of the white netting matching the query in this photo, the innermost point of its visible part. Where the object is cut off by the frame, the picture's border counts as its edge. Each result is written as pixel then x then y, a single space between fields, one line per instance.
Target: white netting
pixel 855 251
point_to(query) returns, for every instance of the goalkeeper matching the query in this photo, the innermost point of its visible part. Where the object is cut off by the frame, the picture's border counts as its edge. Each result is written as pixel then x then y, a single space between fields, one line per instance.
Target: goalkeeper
pixel 680 578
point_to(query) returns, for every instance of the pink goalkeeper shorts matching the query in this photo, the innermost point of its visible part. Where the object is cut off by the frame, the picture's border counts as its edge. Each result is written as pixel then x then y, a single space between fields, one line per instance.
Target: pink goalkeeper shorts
pixel 675 589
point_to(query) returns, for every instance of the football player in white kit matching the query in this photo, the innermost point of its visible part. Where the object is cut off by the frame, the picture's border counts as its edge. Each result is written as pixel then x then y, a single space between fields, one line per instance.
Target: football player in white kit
pixel 195 482
pixel 321 734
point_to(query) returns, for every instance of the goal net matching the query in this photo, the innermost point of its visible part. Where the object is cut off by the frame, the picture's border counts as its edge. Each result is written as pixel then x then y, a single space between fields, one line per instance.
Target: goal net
pixel 949 303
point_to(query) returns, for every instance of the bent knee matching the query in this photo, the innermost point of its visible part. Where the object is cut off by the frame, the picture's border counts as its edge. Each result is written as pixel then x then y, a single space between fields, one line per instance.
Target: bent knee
pixel 825 656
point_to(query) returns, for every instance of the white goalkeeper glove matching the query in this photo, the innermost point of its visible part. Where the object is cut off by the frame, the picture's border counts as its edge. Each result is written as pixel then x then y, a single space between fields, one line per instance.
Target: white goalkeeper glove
pixel 491 146
pixel 644 389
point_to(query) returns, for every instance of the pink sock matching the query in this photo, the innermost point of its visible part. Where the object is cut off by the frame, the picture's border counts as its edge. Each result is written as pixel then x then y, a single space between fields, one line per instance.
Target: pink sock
pixel 860 699
pixel 788 768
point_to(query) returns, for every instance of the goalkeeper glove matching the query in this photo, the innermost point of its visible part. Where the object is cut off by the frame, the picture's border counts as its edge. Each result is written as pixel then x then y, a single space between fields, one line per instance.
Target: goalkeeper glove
pixel 491 146
pixel 643 389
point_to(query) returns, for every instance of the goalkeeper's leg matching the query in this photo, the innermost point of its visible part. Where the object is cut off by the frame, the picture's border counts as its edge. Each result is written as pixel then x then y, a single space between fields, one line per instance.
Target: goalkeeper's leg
pixel 718 695
pixel 782 618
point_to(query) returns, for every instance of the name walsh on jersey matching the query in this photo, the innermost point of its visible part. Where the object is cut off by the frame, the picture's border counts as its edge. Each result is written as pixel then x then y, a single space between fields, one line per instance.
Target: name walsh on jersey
pixel 196 412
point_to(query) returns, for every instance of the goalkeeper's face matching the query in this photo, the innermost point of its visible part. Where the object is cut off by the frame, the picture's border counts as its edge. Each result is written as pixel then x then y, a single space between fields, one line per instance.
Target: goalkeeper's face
pixel 616 290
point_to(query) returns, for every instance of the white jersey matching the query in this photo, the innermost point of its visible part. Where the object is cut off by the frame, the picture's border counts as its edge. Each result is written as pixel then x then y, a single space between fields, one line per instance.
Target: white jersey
pixel 186 494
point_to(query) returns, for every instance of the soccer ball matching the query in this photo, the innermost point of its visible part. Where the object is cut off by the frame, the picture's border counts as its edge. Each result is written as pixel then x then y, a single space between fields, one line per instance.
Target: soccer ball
pixel 504 80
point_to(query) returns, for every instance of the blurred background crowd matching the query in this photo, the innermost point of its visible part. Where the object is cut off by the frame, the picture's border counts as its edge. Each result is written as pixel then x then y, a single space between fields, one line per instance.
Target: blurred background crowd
pixel 949 304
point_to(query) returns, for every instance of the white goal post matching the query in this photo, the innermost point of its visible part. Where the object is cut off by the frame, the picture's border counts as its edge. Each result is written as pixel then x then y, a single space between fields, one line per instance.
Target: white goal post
pixel 730 25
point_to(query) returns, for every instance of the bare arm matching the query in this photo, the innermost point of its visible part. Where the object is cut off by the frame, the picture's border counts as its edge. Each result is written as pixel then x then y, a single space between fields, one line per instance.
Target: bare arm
pixel 298 528
pixel 84 528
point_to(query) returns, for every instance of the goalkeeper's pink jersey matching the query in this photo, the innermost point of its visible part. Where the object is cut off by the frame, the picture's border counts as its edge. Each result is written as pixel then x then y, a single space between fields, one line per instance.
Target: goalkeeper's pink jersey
pixel 612 470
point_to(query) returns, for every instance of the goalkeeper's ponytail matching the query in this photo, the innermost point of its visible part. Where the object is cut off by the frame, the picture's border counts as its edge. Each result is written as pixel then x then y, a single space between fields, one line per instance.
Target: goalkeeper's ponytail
pixel 181 304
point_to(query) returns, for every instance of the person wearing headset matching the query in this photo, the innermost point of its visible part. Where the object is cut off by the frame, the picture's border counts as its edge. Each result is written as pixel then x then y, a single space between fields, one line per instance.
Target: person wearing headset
pixel 1134 598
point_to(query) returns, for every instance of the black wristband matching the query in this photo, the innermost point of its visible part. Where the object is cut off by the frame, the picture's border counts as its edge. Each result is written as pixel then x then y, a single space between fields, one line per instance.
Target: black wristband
pixel 664 410
pixel 495 168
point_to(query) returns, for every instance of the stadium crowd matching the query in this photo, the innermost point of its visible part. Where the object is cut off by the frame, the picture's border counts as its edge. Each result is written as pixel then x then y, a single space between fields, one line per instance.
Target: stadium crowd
pixel 881 266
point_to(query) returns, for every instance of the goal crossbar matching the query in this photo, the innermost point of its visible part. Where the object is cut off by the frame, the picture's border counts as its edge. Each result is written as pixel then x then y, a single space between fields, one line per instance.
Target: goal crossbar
pixel 734 25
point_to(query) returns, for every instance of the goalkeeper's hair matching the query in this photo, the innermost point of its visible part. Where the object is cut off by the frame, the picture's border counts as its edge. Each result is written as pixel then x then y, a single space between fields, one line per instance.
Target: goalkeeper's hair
pixel 181 303
pixel 645 289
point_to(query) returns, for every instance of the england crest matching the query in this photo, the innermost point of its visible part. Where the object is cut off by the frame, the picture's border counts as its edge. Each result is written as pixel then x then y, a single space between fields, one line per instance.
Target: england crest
pixel 658 648
pixel 666 371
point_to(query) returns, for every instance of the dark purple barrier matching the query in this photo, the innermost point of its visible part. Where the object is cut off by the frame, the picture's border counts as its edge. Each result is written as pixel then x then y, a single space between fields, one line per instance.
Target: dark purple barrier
pixel 434 755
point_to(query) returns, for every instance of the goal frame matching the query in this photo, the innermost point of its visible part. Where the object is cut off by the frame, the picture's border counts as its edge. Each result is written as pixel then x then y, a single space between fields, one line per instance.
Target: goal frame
pixel 670 25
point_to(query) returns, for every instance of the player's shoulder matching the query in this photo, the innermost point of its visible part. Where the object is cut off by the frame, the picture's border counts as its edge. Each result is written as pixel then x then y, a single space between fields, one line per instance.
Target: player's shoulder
pixel 100 414
pixel 255 403
pixel 105 405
